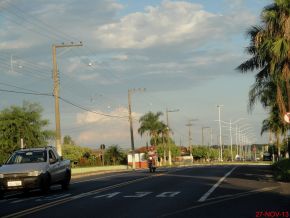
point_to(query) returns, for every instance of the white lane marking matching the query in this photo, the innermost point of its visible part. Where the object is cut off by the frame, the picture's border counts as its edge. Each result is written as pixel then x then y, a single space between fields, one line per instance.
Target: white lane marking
pixel 53 197
pixel 167 194
pixel 205 196
pixel 216 201
pixel 98 178
pixel 110 195
pixel 138 195
pixel 6 200
pixel 22 200
pixel 243 193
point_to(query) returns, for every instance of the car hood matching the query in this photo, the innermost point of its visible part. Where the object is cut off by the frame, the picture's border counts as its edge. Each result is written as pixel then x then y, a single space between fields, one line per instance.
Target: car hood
pixel 22 168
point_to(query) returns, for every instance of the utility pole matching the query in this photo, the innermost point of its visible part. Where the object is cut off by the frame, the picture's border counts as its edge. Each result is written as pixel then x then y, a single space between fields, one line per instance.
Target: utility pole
pixel 189 134
pixel 189 137
pixel 130 91
pixel 56 94
pixel 220 136
pixel 167 122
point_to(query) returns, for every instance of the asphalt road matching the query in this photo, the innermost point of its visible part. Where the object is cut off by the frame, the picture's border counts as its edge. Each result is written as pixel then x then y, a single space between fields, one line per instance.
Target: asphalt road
pixel 199 191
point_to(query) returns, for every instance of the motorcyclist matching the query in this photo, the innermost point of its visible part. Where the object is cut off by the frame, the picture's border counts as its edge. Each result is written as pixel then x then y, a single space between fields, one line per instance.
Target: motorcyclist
pixel 151 165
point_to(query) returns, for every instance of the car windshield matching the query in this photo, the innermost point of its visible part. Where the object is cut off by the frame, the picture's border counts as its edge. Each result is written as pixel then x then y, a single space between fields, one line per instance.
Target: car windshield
pixel 27 157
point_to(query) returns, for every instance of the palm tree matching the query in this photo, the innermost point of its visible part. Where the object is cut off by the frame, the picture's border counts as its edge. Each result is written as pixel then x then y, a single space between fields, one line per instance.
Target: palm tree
pixel 151 124
pixel 270 55
pixel 270 50
pixel 114 154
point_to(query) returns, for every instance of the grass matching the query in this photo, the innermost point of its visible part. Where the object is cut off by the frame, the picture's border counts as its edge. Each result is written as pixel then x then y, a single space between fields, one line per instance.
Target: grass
pixel 282 170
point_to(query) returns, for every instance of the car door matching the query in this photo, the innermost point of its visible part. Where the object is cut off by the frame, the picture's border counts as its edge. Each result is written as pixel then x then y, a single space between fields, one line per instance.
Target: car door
pixel 54 165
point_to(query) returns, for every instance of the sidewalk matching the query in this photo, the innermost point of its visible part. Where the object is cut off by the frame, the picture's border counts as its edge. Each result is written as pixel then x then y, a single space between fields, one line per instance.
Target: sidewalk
pixel 89 171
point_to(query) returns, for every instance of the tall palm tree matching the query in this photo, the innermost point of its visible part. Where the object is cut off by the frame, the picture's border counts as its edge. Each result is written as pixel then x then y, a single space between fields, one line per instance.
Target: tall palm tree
pixel 270 55
pixel 270 50
pixel 151 124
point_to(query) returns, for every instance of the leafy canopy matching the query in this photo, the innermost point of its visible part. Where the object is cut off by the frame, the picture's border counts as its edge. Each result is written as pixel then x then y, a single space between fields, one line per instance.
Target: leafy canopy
pixel 22 122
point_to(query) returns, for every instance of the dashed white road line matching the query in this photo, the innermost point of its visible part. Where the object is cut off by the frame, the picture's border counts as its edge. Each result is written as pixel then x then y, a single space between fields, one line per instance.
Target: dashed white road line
pixel 207 194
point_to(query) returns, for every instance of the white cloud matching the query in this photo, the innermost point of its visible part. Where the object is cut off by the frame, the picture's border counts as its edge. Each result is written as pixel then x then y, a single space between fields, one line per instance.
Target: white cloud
pixel 116 116
pixel 171 22
pixel 111 136
pixel 106 129
pixel 121 57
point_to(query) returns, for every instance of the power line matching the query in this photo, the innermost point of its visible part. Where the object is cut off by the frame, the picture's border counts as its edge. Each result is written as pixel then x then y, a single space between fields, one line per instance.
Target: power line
pixel 26 93
pixel 83 108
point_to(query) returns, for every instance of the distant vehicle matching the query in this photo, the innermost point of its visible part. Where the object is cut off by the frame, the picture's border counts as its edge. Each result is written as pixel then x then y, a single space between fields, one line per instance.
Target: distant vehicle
pixel 267 156
pixel 238 158
pixel 34 168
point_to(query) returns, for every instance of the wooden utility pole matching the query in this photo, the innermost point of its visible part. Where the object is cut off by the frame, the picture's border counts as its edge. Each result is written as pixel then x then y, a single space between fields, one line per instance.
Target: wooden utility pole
pixel 189 137
pixel 56 94
pixel 130 91
pixel 189 134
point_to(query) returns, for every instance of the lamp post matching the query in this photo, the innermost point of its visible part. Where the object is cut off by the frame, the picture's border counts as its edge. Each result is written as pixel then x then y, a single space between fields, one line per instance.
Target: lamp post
pixel 231 137
pixel 220 135
pixel 243 139
pixel 167 122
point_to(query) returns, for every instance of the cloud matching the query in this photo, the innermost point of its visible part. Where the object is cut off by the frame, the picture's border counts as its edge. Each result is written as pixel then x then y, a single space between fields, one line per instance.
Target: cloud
pixel 116 116
pixel 121 57
pixel 170 23
pixel 38 23
pixel 108 136
pixel 106 129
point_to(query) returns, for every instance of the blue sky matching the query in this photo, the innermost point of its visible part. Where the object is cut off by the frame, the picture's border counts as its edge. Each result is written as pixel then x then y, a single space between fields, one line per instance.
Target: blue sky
pixel 183 52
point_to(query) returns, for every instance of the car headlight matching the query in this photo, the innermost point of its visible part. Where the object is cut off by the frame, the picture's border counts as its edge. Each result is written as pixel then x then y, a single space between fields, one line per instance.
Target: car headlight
pixel 34 173
pixel 1 176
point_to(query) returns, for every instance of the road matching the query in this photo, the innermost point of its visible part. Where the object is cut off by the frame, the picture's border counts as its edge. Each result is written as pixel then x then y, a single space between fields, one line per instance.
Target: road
pixel 198 191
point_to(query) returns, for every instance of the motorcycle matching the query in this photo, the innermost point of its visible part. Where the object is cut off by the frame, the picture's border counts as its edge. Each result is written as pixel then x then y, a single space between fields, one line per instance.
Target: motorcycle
pixel 151 166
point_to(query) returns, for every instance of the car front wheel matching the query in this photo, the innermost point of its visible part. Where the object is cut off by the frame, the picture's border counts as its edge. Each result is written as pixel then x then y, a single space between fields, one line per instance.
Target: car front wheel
pixel 66 181
pixel 45 183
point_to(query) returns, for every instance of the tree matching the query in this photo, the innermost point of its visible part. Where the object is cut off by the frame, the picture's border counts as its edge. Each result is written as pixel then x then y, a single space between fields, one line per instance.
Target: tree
pixel 114 155
pixel 75 152
pixel 270 51
pixel 67 140
pixel 151 124
pixel 22 122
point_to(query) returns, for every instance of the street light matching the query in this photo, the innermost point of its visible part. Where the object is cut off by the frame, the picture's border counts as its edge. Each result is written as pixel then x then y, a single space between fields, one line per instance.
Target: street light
pixel 220 127
pixel 231 137
pixel 167 122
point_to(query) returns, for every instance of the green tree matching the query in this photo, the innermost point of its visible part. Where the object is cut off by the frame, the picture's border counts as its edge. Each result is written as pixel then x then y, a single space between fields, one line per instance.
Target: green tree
pixel 114 155
pixel 75 153
pixel 22 122
pixel 270 51
pixel 199 152
pixel 68 140
pixel 270 55
pixel 151 124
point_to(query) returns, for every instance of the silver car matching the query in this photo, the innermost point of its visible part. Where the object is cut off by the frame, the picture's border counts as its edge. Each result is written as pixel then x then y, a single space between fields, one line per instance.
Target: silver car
pixel 34 168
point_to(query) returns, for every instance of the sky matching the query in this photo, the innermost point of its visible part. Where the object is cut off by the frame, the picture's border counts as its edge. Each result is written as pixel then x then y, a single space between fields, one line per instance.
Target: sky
pixel 183 53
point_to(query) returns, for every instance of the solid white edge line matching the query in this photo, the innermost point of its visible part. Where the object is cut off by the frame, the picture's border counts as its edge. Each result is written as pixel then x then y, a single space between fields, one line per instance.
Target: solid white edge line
pixel 206 195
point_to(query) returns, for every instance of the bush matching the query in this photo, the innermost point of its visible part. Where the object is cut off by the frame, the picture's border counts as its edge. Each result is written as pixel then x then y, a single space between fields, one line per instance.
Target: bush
pixel 282 170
